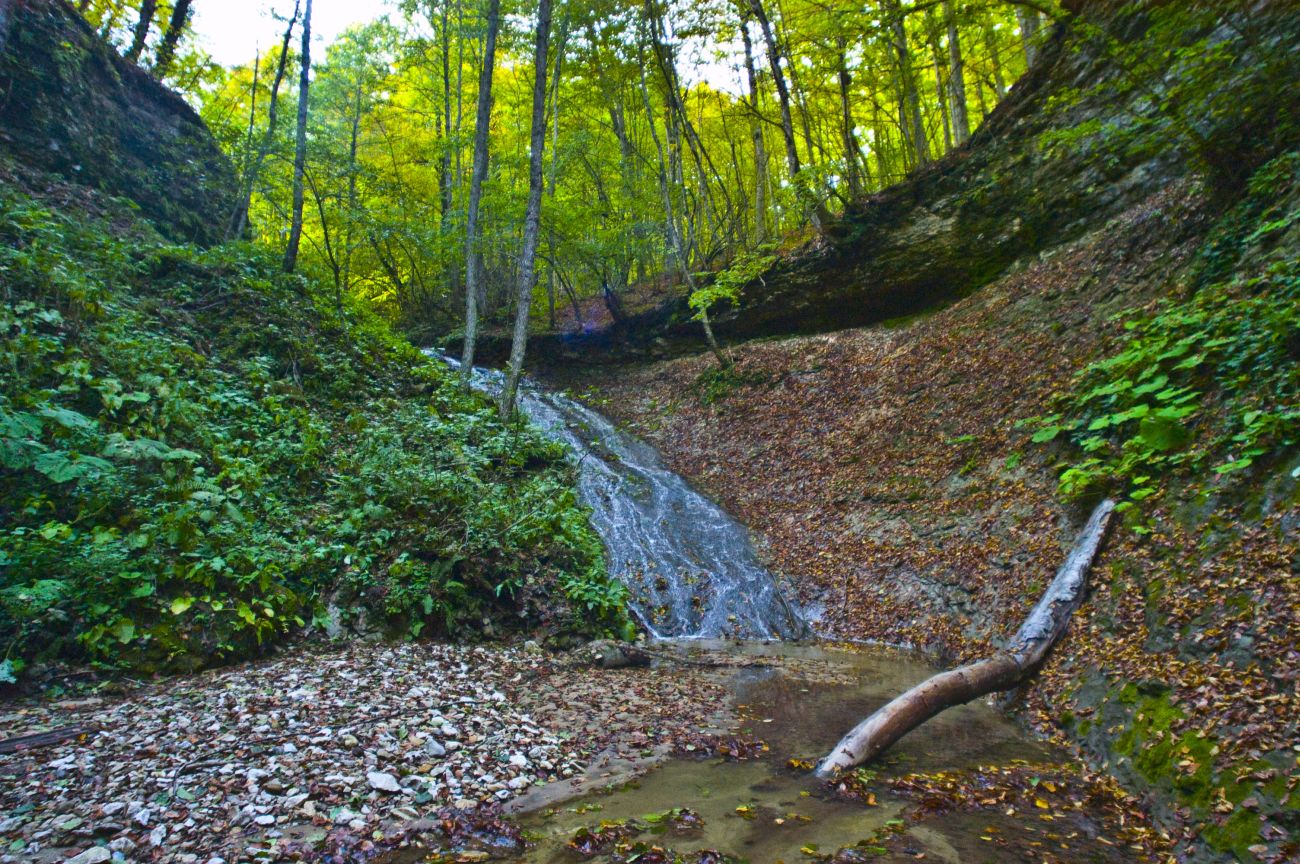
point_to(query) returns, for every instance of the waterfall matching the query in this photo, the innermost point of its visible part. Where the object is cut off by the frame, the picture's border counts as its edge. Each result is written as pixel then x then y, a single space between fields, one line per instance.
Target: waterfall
pixel 690 569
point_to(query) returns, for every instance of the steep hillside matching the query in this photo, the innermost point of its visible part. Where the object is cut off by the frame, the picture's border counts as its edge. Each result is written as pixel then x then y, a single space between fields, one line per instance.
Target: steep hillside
pixel 201 455
pixel 890 477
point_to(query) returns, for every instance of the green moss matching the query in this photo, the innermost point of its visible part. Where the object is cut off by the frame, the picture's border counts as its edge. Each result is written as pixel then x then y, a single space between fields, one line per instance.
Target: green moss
pixel 1237 833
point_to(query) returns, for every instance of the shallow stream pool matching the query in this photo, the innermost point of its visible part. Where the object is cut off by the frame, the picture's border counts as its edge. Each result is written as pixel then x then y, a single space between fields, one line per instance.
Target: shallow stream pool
pixel 969 786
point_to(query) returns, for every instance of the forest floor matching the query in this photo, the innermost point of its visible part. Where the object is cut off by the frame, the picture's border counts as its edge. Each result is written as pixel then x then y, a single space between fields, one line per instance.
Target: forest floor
pixel 886 474
pixel 331 751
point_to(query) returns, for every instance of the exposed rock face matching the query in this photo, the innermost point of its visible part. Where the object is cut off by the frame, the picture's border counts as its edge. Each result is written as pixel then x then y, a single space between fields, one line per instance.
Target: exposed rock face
pixel 72 106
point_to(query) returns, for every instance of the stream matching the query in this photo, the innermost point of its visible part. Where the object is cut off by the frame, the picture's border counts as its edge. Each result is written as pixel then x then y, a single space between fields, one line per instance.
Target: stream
pixel 698 587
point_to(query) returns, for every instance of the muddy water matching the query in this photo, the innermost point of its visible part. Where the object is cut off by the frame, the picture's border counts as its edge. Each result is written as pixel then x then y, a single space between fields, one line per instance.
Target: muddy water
pixel 764 811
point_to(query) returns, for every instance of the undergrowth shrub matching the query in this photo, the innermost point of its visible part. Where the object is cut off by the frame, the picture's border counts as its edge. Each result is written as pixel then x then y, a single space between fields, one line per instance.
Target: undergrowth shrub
pixel 197 455
pixel 1208 385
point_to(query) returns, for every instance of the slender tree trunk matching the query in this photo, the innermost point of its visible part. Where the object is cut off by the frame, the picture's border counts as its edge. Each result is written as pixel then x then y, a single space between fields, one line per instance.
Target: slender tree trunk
pixel 991 46
pixel 941 89
pixel 478 173
pixel 907 81
pixel 171 38
pixel 852 152
pixel 352 196
pixel 300 149
pixel 956 77
pixel 676 246
pixel 239 221
pixel 554 168
pixel 250 154
pixel 783 97
pixel 142 25
pixel 760 148
pixel 533 215
pixel 1029 24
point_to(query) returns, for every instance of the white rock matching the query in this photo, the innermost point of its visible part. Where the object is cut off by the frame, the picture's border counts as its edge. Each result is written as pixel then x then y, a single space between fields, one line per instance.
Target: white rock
pixel 94 855
pixel 519 760
pixel 142 817
pixel 158 836
pixel 519 782
pixel 383 782
pixel 265 820
pixel 433 748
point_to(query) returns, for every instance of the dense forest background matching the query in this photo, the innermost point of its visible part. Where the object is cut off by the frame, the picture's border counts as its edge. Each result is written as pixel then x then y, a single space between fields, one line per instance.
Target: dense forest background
pixel 680 138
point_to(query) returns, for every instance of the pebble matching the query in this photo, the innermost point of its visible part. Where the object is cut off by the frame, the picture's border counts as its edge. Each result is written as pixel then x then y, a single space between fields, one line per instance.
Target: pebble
pixel 433 748
pixel 383 782
pixel 93 855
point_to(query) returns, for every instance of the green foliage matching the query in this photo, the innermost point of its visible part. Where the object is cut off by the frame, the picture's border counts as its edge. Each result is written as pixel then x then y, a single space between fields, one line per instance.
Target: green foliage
pixel 197 454
pixel 1208 382
pixel 727 284
pixel 1203 75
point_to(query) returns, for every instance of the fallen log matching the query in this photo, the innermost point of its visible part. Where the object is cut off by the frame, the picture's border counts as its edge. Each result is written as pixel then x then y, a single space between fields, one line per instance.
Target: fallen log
pixel 44 739
pixel 1022 657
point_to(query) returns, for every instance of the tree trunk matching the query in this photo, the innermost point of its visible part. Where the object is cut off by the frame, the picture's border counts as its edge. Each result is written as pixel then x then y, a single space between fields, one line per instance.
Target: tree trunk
pixel 676 245
pixel 300 148
pixel 783 97
pixel 991 46
pixel 760 149
pixel 142 25
pixel 478 173
pixel 1006 669
pixel 352 197
pixel 171 38
pixel 907 81
pixel 852 152
pixel 239 221
pixel 956 78
pixel 940 87
pixel 533 215
pixel 1029 24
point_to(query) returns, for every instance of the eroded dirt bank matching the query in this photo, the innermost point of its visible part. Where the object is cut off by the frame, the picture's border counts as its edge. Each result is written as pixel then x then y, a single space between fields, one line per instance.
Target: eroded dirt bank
pixel 885 473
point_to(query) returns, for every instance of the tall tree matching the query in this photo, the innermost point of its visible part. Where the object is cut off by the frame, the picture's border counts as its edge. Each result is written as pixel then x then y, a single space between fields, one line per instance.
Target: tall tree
pixel 756 132
pixel 911 98
pixel 533 214
pixel 171 38
pixel 483 119
pixel 956 77
pixel 239 220
pixel 142 25
pixel 1029 24
pixel 300 148
pixel 783 97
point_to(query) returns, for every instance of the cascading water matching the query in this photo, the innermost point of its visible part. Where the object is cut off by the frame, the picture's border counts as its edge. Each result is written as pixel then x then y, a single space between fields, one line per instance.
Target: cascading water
pixel 689 567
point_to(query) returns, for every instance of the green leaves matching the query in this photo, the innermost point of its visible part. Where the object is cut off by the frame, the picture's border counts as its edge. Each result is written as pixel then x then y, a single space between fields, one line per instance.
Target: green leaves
pixel 1205 386
pixel 199 484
